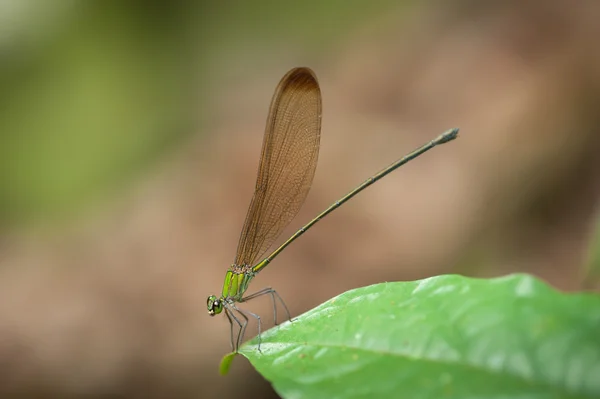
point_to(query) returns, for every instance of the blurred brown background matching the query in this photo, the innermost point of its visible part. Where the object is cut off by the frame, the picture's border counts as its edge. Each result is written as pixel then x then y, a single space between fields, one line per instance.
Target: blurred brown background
pixel 129 140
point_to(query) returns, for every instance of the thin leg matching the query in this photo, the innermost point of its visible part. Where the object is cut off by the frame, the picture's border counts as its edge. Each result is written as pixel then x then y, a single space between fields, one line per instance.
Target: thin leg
pixel 287 311
pixel 231 328
pixel 243 326
pixel 230 315
pixel 273 295
pixel 244 314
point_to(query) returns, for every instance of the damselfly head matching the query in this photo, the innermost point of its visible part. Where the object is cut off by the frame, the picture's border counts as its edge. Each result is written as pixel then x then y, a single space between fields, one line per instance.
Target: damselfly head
pixel 214 305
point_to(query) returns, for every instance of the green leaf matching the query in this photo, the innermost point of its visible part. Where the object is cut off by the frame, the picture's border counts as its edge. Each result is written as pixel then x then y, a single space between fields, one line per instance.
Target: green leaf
pixel 442 337
pixel 592 264
pixel 226 363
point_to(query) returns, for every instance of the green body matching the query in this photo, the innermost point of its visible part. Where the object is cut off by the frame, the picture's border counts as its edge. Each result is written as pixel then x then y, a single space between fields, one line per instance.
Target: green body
pixel 236 284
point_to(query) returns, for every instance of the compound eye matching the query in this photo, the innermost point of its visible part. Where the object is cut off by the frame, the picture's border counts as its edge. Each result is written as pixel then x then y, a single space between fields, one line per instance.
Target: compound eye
pixel 214 305
pixel 211 302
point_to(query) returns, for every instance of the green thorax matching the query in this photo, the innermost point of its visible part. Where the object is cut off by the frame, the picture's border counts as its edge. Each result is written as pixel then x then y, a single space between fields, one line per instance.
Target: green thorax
pixel 236 284
pixel 238 278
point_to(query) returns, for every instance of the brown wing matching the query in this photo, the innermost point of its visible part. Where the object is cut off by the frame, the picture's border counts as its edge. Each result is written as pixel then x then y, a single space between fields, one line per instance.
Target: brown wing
pixel 287 163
